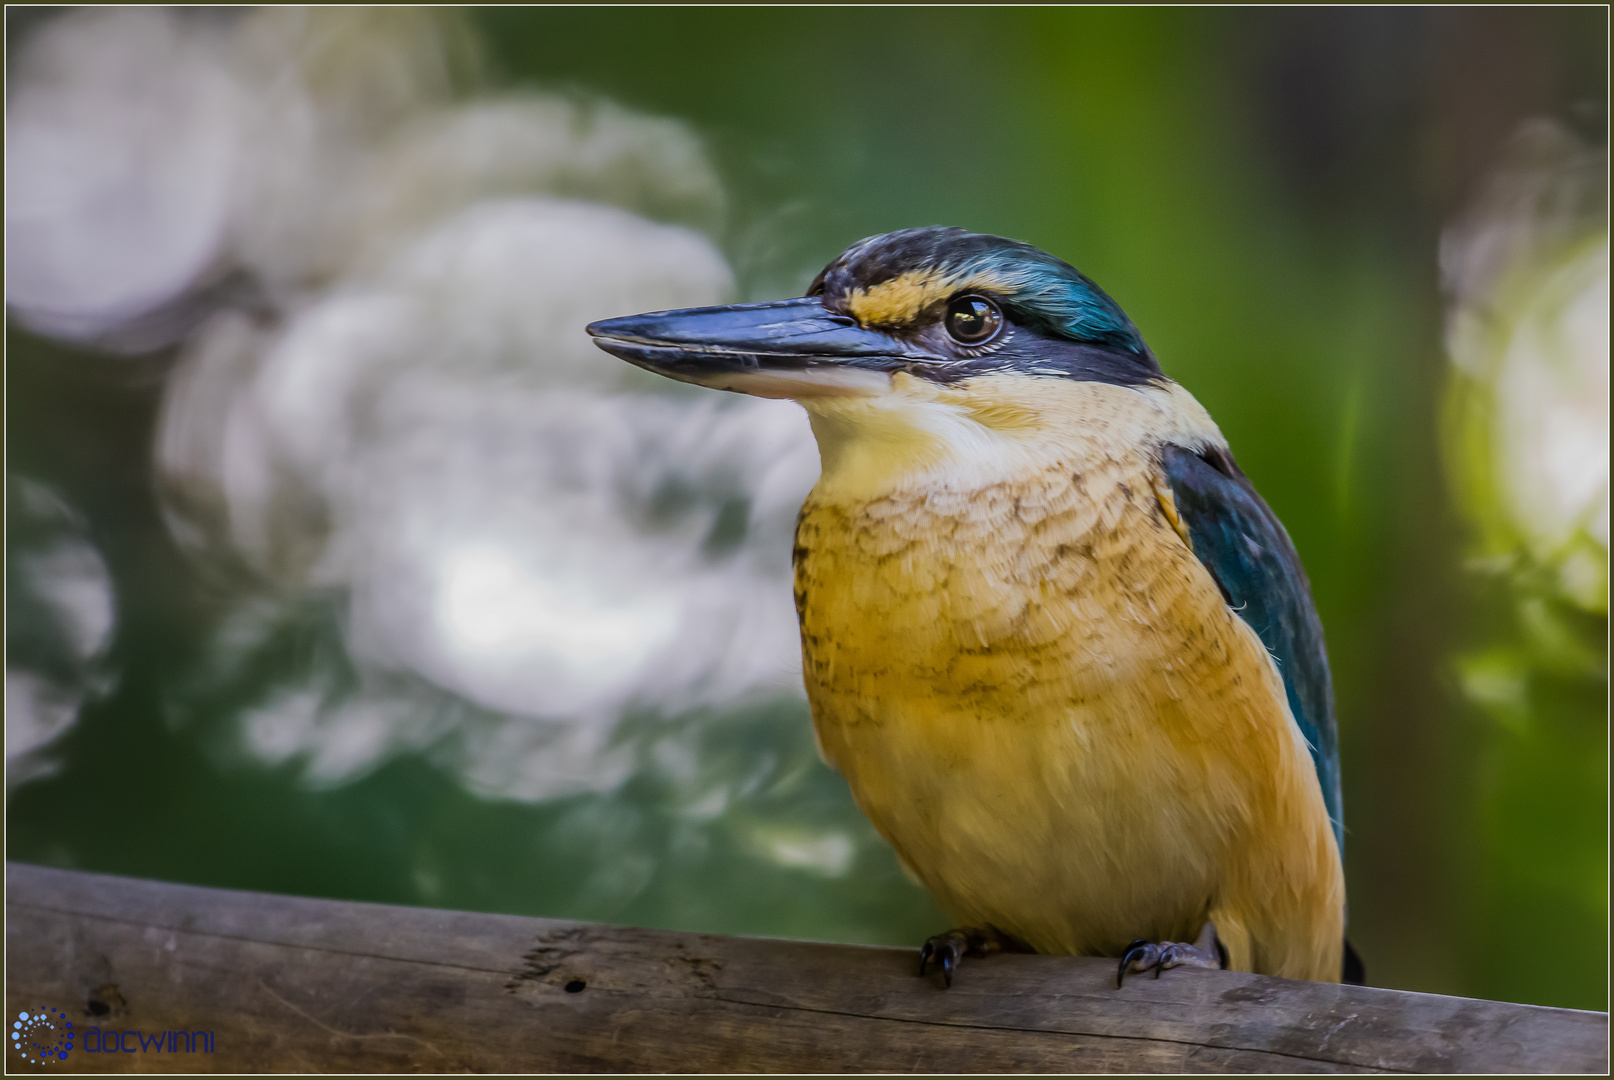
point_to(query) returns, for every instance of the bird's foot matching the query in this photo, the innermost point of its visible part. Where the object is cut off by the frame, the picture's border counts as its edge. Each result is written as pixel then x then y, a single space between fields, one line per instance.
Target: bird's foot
pixel 947 950
pixel 1158 956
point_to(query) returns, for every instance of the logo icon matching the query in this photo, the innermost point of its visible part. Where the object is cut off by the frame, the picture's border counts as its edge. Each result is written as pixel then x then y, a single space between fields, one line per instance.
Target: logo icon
pixel 42 1035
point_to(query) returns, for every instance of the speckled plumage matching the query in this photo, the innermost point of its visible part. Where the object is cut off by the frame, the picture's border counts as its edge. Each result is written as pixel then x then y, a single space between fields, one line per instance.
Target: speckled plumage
pixel 1035 690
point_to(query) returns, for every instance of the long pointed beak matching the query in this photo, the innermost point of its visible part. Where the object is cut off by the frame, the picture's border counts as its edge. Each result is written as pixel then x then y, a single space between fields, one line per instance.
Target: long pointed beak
pixel 784 348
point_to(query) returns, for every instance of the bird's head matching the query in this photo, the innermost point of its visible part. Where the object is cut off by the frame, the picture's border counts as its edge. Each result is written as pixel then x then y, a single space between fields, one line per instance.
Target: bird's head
pixel 940 304
pixel 913 348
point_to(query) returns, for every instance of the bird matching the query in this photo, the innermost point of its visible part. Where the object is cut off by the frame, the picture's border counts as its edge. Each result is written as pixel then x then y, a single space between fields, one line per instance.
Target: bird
pixel 1064 655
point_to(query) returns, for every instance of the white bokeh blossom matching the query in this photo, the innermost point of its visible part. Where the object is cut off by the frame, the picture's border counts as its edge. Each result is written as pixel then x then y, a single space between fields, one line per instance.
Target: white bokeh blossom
pixel 1527 272
pixel 61 615
pixel 378 282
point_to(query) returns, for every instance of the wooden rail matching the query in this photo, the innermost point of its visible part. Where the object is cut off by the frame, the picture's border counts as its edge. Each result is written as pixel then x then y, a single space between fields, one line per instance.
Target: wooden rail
pixel 289 984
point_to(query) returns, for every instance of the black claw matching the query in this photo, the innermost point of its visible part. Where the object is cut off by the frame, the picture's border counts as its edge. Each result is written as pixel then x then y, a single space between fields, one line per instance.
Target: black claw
pixel 944 951
pixel 948 950
pixel 1132 950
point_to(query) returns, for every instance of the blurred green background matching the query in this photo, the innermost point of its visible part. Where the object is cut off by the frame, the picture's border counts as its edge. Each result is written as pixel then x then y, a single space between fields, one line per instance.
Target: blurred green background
pixel 1263 190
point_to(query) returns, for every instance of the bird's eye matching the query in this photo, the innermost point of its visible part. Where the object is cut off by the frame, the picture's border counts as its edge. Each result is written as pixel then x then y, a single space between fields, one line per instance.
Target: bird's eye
pixel 973 320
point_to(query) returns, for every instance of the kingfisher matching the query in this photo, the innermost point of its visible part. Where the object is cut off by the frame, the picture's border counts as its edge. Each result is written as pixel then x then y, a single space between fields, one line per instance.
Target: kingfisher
pixel 1063 653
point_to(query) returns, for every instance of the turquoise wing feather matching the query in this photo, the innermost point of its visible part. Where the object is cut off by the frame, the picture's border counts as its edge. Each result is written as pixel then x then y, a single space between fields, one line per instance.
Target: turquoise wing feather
pixel 1247 551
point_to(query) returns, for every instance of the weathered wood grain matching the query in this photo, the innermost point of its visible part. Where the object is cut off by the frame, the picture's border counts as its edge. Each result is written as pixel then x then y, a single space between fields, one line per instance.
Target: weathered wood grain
pixel 295 984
